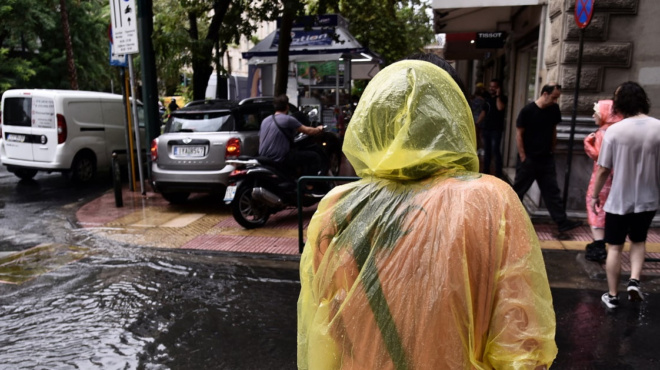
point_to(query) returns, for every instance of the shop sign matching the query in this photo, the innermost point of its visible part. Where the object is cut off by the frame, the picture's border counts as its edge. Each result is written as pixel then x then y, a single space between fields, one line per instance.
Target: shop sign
pixel 306 38
pixel 490 40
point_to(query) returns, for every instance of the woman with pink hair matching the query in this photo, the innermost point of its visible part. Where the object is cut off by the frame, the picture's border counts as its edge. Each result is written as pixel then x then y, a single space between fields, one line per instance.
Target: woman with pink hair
pixel 604 118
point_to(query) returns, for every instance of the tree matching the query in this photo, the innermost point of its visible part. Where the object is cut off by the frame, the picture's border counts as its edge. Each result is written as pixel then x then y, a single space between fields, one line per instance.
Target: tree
pixel 290 9
pixel 66 33
pixel 206 23
pixel 16 66
pixel 33 51
pixel 391 28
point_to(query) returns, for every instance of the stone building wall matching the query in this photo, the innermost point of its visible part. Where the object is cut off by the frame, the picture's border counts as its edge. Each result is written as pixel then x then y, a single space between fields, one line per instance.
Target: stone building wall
pixel 609 58
pixel 604 49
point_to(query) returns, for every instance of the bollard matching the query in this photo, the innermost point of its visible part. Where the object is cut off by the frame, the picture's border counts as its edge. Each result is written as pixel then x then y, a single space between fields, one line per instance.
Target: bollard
pixel 116 181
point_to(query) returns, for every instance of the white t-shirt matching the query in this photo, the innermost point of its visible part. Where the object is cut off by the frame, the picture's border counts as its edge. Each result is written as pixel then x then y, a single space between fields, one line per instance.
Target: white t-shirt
pixel 631 148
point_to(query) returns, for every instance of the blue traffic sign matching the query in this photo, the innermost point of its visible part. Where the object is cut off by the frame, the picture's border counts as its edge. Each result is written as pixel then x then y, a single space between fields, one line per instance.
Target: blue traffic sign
pixel 584 10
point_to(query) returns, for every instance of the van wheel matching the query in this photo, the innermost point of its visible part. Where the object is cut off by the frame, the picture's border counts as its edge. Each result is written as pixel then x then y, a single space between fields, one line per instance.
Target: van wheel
pixel 176 198
pixel 25 174
pixel 83 169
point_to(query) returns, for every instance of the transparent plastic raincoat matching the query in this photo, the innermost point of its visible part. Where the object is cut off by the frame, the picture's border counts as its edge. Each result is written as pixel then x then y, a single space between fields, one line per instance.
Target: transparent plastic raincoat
pixel 424 263
pixel 592 144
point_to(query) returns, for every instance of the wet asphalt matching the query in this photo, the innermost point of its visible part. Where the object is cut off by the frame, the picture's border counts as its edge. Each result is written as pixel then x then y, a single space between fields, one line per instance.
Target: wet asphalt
pixel 130 307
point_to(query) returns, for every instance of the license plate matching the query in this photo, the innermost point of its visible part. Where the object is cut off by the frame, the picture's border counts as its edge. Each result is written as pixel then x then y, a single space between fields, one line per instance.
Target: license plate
pixel 16 138
pixel 189 151
pixel 230 193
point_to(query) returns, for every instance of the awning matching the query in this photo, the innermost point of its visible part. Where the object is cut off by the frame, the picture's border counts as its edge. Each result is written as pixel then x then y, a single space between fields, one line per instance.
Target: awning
pixel 450 16
pixel 461 21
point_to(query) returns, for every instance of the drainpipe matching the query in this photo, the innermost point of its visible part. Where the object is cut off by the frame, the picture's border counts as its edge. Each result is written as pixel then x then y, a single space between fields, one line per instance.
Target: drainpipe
pixel 540 62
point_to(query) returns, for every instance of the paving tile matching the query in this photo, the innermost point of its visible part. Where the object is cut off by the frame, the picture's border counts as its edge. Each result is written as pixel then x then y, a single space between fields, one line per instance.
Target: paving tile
pixel 551 244
pixel 183 220
pixel 152 222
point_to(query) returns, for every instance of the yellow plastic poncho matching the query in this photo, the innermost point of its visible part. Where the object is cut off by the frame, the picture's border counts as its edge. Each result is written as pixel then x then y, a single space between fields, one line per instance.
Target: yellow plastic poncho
pixel 424 263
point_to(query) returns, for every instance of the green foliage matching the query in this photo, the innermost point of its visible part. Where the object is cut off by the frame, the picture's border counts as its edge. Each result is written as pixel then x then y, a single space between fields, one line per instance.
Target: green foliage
pixel 392 28
pixel 32 48
pixel 186 31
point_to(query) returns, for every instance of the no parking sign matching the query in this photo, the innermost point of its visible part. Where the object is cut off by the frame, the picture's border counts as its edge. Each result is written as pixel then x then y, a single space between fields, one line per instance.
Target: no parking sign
pixel 584 9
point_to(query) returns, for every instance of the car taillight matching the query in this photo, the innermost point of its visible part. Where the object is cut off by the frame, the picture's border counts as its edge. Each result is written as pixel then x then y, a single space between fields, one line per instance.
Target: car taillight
pixel 0 124
pixel 61 129
pixel 154 150
pixel 233 148
pixel 237 172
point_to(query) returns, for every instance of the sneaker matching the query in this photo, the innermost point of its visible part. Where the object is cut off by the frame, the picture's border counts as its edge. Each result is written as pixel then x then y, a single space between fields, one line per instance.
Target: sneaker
pixel 634 291
pixel 610 301
pixel 596 251
pixel 569 225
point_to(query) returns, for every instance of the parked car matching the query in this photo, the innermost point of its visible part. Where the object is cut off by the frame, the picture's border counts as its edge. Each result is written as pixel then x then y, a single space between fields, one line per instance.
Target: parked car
pixel 190 156
pixel 73 132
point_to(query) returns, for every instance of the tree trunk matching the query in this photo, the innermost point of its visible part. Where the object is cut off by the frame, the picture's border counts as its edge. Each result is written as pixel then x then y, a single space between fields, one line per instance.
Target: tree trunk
pixel 202 54
pixel 71 65
pixel 282 69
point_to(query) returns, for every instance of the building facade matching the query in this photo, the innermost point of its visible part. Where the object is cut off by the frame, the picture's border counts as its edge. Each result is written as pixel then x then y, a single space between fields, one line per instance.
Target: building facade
pixel 539 45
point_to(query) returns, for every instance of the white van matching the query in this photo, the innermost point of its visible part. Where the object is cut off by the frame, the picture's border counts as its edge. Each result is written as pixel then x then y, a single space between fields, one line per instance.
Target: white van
pixel 73 132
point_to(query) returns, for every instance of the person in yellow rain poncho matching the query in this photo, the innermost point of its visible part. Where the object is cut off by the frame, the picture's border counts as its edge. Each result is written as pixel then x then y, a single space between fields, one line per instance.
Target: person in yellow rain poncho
pixel 424 263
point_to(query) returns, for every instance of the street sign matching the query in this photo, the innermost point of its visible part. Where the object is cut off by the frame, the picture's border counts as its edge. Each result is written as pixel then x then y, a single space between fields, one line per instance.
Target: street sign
pixel 584 9
pixel 124 26
pixel 117 60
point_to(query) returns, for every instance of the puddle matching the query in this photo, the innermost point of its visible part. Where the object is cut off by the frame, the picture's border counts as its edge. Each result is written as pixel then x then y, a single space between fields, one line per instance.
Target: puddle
pixel 20 267
pixel 145 309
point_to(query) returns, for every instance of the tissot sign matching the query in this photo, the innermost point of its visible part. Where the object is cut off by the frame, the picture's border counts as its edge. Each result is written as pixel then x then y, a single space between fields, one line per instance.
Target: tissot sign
pixel 490 40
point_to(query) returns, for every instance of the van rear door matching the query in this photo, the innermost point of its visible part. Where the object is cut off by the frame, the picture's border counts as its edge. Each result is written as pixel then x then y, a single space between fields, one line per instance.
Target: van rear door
pixel 44 129
pixel 17 125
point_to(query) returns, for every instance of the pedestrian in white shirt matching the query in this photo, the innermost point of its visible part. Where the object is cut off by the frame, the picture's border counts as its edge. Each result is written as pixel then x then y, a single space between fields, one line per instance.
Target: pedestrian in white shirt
pixel 631 149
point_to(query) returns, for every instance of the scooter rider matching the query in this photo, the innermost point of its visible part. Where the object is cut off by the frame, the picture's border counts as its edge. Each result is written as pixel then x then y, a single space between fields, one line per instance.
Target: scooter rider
pixel 276 139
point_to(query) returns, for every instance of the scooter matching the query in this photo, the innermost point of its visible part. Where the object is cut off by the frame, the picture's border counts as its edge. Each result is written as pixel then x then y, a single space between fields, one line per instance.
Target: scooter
pixel 259 187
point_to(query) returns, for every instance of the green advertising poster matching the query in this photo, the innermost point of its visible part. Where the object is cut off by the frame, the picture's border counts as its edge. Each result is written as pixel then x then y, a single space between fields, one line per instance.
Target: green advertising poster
pixel 320 73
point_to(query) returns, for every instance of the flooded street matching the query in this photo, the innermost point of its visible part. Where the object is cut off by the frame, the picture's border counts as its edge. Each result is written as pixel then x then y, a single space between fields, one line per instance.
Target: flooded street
pixel 79 300
pixel 87 303
pixel 147 309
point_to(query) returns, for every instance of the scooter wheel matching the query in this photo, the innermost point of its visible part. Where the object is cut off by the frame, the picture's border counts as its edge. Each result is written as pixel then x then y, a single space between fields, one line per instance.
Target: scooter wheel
pixel 248 212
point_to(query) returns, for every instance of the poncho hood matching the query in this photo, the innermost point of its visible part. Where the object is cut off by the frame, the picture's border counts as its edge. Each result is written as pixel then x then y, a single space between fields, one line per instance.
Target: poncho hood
pixel 607 116
pixel 412 122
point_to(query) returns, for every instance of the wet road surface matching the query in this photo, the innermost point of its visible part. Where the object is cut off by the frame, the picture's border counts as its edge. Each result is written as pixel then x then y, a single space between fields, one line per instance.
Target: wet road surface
pixel 126 307
pixel 147 309
pixel 138 308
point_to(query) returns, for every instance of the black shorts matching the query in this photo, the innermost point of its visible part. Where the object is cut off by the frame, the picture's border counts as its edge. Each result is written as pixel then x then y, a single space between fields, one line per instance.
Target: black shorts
pixel 634 225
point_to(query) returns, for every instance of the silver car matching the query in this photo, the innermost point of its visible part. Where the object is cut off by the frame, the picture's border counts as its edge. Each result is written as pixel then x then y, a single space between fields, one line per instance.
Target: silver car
pixel 190 154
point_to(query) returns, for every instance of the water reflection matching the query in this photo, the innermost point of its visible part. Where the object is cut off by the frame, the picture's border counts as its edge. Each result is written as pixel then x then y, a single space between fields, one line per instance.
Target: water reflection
pixel 592 337
pixel 151 310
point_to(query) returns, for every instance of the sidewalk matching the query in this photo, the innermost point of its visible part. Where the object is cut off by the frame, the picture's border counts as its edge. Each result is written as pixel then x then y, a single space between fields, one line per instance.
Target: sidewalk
pixel 205 223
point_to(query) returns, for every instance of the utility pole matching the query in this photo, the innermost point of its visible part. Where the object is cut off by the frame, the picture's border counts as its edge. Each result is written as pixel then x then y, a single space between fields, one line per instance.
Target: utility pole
pixel 149 78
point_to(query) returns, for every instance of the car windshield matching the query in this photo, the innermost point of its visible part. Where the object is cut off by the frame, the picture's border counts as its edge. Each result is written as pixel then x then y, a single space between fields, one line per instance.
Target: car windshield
pixel 201 122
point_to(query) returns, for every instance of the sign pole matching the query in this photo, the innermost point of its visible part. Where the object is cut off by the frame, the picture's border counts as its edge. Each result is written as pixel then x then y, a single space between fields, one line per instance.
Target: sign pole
pixel 569 159
pixel 126 97
pixel 136 125
pixel 584 10
pixel 124 38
